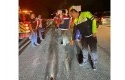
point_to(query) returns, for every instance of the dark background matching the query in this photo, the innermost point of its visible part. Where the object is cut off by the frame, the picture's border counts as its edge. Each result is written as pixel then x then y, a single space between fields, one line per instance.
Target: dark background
pixel 47 7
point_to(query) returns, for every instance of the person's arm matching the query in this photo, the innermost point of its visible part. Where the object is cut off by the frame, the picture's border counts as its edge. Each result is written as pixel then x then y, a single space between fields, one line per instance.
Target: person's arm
pixel 94 28
pixel 37 24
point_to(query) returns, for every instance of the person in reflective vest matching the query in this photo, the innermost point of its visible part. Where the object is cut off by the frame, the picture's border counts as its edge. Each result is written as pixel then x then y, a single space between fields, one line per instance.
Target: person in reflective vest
pixel 84 35
pixel 40 27
pixel 57 20
pixel 64 25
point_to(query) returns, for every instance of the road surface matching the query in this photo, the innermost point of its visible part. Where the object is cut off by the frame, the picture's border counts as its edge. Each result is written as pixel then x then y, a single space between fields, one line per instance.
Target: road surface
pixel 48 61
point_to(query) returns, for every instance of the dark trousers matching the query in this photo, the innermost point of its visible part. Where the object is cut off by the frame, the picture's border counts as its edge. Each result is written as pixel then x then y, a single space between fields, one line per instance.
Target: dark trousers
pixel 90 42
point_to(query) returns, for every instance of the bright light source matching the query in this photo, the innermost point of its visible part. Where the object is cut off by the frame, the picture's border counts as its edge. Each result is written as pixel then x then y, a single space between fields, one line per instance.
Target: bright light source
pixel 27 28
pixel 25 11
pixel 26 24
pixel 27 31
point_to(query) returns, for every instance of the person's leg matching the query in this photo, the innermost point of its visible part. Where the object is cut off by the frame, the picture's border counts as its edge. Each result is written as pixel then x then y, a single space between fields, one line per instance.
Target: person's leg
pixel 85 49
pixel 78 44
pixel 81 44
pixel 32 39
pixel 62 33
pixel 35 38
pixel 40 35
pixel 66 37
pixel 30 35
pixel 93 47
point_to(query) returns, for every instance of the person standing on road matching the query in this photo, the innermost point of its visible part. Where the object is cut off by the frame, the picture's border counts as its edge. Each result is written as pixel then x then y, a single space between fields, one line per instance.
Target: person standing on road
pixel 57 20
pixel 85 35
pixel 39 26
pixel 65 23
pixel 33 30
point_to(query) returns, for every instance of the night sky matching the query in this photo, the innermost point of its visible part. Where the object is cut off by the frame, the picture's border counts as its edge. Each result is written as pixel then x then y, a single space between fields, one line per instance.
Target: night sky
pixel 46 7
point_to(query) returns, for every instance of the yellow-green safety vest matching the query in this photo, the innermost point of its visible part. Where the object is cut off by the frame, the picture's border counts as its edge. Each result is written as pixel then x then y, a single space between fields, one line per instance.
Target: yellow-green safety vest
pixel 84 15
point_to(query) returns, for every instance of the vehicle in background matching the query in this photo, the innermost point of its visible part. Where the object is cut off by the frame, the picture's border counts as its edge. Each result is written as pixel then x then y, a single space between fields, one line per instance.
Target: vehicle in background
pixel 105 18
pixel 24 30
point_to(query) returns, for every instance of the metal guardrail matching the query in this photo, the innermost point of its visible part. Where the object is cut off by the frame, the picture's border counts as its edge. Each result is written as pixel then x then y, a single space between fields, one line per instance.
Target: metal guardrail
pixel 23 44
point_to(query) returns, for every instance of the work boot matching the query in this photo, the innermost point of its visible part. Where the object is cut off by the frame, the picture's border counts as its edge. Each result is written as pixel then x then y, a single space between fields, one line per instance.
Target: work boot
pixel 41 39
pixel 37 44
pixel 94 66
pixel 83 64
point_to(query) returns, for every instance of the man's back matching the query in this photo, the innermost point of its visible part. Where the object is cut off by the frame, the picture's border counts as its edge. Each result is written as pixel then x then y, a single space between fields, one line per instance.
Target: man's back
pixel 83 16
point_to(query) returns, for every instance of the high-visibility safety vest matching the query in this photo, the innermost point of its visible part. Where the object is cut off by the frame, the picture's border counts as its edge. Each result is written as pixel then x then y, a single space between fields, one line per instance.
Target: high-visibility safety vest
pixel 83 17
